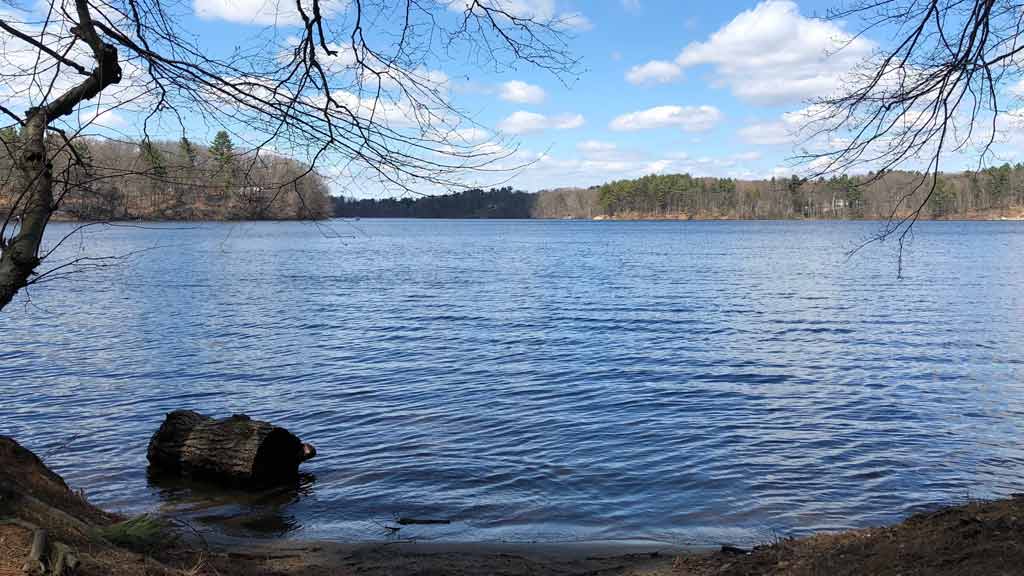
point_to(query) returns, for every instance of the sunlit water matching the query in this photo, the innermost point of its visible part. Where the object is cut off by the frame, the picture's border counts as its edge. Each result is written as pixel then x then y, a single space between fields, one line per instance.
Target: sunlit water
pixel 682 381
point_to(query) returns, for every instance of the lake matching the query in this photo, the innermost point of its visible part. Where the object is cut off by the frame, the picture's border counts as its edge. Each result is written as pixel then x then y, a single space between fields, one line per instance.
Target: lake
pixel 691 382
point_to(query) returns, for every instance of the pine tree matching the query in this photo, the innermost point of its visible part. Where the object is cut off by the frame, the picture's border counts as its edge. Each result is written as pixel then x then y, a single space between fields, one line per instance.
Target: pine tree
pixel 188 151
pixel 223 149
pixel 151 155
pixel 943 199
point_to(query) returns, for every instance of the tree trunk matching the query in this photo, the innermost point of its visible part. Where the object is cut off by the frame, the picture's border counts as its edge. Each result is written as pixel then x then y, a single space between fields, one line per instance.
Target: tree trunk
pixel 236 450
pixel 20 257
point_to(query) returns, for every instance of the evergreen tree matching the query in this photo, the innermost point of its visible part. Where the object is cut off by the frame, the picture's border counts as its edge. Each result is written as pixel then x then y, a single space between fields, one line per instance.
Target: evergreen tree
pixel 223 149
pixel 943 199
pixel 223 152
pixel 999 186
pixel 188 151
pixel 151 155
pixel 796 194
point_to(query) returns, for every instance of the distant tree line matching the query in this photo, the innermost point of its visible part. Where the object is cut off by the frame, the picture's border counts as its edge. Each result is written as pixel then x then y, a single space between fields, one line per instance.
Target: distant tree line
pixel 183 180
pixel 988 193
pixel 476 203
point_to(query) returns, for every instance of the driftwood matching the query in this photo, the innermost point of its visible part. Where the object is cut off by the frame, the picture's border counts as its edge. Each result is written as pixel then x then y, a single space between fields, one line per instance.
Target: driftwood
pixel 35 566
pixel 46 556
pixel 236 450
pixel 63 559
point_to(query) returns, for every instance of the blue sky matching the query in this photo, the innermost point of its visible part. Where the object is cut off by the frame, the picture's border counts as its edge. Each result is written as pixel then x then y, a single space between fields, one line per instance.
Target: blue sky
pixel 708 88
pixel 677 86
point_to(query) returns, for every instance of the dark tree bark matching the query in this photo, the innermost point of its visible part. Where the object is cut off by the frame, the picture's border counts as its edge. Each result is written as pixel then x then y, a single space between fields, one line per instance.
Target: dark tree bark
pixel 236 450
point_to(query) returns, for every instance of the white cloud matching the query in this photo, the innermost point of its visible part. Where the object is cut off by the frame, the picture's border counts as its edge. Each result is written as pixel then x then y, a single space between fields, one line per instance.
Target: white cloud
pixel 471 135
pixel 545 11
pixel 551 171
pixel 686 118
pixel 654 72
pixel 432 79
pixel 786 130
pixel 343 64
pixel 394 113
pixel 107 118
pixel 595 146
pixel 659 166
pixel 767 133
pixel 523 122
pixel 772 55
pixel 573 21
pixel 259 12
pixel 521 92
pixel 1017 89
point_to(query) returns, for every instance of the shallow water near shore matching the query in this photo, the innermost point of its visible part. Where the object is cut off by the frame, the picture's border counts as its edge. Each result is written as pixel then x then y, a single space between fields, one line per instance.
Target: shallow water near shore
pixel 689 382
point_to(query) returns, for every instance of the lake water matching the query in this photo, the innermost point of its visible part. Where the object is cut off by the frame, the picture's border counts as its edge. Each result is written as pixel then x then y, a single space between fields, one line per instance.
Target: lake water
pixel 693 382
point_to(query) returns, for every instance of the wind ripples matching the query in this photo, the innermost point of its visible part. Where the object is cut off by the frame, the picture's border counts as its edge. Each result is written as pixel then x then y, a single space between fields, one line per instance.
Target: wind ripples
pixel 691 382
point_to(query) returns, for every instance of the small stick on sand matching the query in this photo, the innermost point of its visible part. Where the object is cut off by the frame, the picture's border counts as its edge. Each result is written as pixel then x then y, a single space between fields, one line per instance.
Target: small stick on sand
pixel 34 564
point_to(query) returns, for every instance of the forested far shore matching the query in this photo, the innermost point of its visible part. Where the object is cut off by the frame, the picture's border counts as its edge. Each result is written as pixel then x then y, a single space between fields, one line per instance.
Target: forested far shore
pixel 993 193
pixel 98 180
pixel 164 180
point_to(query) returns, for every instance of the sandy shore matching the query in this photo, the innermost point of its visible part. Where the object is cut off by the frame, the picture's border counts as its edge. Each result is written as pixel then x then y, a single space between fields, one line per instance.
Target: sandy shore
pixel 322 558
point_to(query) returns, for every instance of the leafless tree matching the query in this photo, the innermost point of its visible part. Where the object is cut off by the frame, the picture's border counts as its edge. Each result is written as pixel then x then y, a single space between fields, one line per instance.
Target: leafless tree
pixel 351 89
pixel 937 85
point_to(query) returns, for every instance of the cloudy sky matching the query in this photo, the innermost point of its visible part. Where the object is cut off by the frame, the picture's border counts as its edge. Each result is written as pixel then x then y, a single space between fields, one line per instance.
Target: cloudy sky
pixel 708 88
pixel 700 87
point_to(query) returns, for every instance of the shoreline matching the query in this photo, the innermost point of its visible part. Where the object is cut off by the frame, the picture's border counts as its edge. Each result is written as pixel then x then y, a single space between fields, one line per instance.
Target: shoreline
pixel 1013 216
pixel 555 550
pixel 468 558
pixel 973 539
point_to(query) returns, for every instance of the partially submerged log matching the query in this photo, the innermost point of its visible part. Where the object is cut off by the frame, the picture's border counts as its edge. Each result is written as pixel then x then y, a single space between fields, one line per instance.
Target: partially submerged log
pixel 236 450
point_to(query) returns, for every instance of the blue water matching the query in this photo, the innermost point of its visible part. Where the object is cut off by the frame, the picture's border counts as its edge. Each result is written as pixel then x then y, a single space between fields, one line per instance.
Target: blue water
pixel 693 382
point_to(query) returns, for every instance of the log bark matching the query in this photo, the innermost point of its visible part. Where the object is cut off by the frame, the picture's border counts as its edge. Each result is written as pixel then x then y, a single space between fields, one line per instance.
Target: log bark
pixel 236 450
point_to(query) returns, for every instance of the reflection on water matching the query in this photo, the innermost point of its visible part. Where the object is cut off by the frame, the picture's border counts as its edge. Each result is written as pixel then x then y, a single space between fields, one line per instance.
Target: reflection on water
pixel 232 512
pixel 687 381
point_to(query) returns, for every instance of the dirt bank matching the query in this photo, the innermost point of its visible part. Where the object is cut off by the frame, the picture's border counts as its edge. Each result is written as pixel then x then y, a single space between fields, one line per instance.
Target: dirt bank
pixel 974 539
pixel 977 539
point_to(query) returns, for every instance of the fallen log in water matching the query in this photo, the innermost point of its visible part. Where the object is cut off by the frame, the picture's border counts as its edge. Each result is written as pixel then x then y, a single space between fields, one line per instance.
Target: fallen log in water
pixel 236 450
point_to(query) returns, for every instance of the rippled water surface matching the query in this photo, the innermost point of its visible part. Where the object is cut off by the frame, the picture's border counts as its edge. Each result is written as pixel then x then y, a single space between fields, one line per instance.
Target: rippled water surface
pixel 683 381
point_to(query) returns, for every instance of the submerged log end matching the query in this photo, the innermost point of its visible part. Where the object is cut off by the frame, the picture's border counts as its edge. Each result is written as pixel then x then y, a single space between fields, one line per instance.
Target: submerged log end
pixel 308 451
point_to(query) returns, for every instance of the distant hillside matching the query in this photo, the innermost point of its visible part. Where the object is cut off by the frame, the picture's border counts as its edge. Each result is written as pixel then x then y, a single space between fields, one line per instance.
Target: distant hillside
pixel 992 193
pixel 175 181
